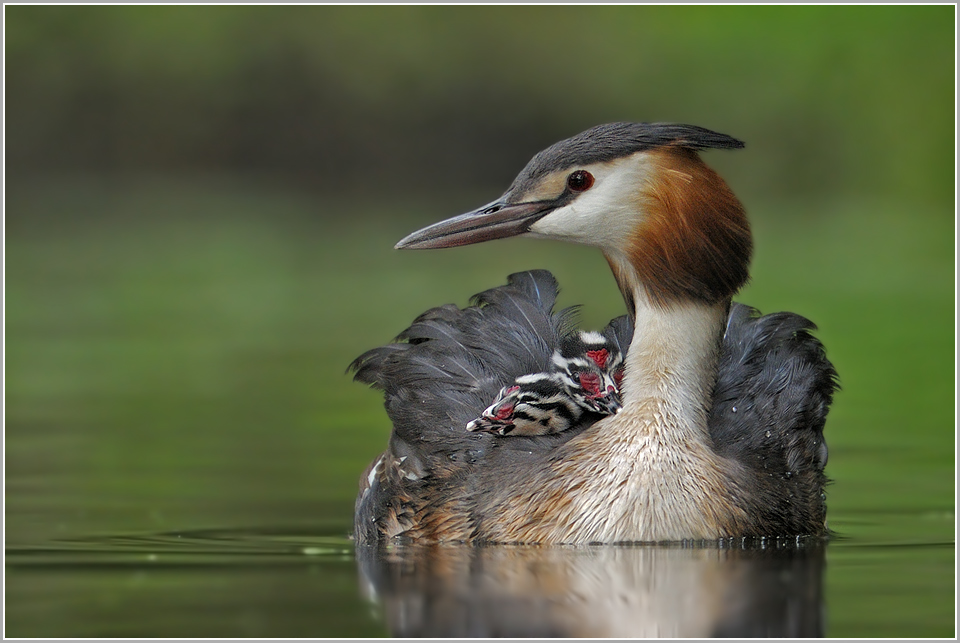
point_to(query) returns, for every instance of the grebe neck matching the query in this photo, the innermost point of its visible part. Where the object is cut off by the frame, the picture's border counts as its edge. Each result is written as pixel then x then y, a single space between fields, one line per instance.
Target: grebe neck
pixel 671 366
pixel 663 479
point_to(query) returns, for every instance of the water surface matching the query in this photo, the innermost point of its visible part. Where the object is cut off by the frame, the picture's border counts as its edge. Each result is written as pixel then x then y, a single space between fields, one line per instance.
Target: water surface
pixel 295 583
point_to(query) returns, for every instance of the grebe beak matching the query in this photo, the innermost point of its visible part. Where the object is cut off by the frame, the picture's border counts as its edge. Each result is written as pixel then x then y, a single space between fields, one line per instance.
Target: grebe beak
pixel 496 220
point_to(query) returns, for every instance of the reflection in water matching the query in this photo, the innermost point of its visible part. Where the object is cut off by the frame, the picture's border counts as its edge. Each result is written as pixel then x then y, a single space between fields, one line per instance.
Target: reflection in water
pixel 766 589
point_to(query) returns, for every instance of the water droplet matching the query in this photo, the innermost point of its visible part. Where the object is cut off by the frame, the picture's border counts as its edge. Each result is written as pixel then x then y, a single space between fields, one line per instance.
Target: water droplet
pixel 768 434
pixel 734 409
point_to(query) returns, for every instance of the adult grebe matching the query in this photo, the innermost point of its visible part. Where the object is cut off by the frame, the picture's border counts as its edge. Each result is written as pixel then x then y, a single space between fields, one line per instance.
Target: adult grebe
pixel 720 433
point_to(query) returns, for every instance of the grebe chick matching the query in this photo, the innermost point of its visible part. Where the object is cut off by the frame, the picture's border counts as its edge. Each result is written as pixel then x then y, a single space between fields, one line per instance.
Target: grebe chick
pixel 585 376
pixel 535 404
pixel 592 366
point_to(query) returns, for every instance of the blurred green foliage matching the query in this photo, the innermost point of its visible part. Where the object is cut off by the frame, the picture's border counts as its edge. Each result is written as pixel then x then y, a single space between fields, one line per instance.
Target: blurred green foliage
pixel 834 99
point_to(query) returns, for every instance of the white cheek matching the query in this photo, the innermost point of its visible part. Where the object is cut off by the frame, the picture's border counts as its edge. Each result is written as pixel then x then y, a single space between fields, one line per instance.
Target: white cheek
pixel 591 221
pixel 569 223
pixel 604 216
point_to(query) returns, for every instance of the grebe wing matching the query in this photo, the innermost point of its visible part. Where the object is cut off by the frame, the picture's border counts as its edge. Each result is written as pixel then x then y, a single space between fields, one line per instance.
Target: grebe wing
pixel 450 363
pixel 774 388
pixel 445 369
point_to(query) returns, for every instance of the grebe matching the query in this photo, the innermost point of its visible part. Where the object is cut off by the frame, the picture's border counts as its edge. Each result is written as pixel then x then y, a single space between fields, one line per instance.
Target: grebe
pixel 586 376
pixel 535 404
pixel 720 433
pixel 592 367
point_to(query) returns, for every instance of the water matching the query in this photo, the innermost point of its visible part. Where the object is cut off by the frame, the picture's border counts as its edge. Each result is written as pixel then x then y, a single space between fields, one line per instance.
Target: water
pixel 192 584
pixel 183 447
pixel 295 583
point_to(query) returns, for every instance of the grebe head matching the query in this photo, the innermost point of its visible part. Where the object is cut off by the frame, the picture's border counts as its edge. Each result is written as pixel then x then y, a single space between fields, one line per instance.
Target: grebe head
pixel 638 191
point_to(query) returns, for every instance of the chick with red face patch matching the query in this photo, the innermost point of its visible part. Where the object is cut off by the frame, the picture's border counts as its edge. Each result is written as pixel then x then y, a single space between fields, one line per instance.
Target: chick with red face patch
pixel 536 404
pixel 592 367
pixel 586 376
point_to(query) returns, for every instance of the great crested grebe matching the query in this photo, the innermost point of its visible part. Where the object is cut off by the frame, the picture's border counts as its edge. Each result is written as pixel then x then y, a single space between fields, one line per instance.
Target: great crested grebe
pixel 720 433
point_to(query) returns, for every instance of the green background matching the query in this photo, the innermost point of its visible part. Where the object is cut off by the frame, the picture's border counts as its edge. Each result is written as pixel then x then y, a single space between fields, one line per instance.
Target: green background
pixel 201 204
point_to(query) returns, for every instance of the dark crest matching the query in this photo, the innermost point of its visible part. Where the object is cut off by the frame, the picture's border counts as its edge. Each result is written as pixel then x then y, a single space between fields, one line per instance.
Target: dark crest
pixel 616 140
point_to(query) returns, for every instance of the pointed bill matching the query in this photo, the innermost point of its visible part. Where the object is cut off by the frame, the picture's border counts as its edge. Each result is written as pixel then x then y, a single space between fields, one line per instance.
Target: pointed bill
pixel 496 220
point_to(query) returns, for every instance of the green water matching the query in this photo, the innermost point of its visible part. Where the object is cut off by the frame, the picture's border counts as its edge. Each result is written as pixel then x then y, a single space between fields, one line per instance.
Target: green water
pixel 183 447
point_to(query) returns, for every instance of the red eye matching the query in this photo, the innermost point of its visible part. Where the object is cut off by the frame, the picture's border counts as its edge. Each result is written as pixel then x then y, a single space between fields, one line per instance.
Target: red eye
pixel 580 180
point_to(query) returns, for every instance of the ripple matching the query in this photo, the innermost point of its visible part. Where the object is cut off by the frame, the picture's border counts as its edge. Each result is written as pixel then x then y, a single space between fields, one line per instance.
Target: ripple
pixel 249 546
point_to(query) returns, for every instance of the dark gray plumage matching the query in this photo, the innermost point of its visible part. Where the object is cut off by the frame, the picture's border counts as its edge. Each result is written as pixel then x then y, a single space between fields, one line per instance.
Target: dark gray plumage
pixel 442 373
pixel 615 140
pixel 450 363
pixel 619 332
pixel 774 388
pixel 771 398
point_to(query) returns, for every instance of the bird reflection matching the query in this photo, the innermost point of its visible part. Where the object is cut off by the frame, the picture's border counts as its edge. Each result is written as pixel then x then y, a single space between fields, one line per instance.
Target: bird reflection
pixel 768 588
